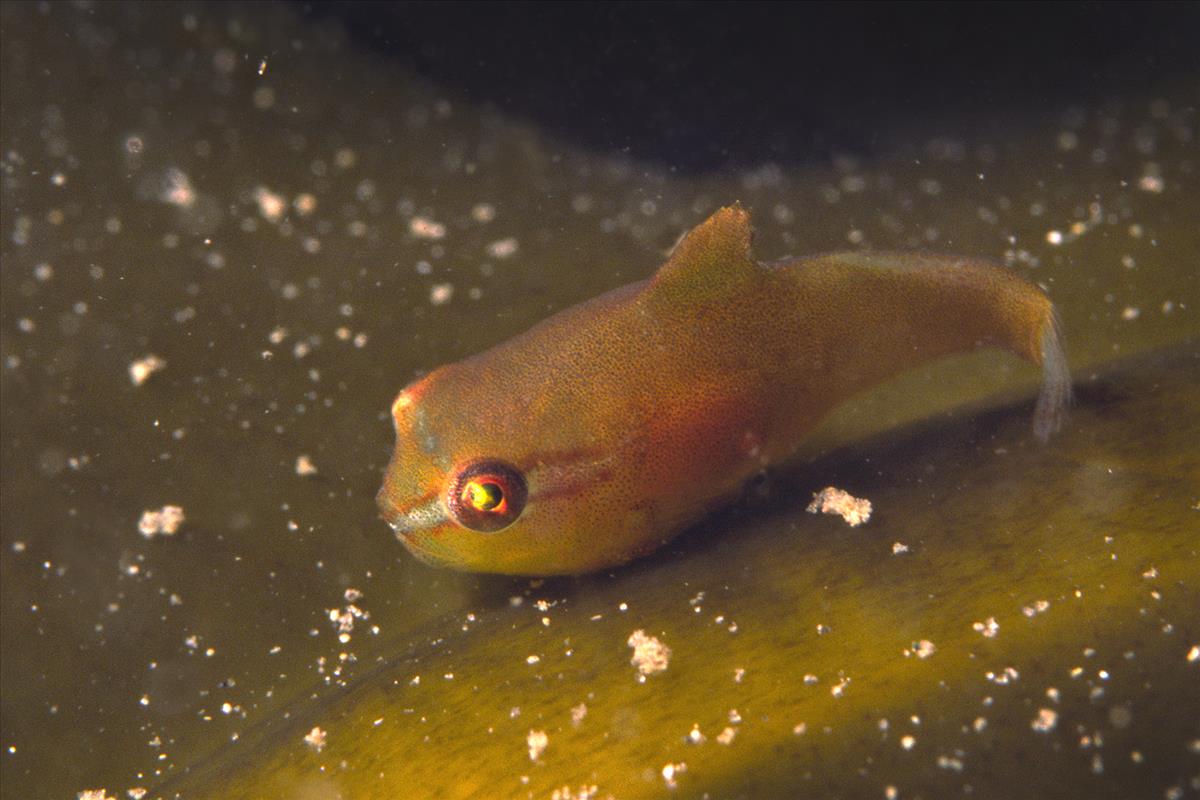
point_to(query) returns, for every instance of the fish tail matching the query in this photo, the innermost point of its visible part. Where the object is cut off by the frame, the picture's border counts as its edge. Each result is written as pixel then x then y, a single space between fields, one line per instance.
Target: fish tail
pixel 1055 394
pixel 926 306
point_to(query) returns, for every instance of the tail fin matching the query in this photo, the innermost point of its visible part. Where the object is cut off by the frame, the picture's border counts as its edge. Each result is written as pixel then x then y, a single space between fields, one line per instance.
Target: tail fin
pixel 897 310
pixel 1055 394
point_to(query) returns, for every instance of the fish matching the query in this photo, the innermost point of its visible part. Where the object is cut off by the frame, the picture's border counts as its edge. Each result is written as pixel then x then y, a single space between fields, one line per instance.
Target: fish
pixel 602 432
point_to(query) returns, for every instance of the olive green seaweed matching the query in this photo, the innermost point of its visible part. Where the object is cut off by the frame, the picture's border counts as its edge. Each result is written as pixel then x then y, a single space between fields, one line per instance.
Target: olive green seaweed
pixel 1100 525
pixel 297 226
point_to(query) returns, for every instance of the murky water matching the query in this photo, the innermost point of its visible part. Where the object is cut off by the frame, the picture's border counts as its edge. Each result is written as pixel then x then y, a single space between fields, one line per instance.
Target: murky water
pixel 293 231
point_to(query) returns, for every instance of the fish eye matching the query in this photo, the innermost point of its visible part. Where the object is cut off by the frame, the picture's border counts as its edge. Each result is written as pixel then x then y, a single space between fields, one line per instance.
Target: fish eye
pixel 487 496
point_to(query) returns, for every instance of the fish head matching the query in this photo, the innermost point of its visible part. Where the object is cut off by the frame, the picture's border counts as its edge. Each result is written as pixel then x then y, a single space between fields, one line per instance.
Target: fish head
pixel 475 483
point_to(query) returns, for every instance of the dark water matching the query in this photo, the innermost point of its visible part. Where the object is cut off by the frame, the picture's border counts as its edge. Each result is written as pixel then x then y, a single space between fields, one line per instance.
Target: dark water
pixel 297 227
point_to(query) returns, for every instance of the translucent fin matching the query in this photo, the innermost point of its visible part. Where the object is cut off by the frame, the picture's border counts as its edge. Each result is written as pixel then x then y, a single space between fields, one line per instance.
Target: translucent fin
pixel 714 258
pixel 1055 394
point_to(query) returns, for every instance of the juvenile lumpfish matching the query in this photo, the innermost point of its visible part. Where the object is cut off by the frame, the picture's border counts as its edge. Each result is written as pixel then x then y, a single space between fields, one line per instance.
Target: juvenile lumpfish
pixel 601 432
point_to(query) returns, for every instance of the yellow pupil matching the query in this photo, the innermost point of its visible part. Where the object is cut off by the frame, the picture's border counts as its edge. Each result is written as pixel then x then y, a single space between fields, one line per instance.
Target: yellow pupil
pixel 483 496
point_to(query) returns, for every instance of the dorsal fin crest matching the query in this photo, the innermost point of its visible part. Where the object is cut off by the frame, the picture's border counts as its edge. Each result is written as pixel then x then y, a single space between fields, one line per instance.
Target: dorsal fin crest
pixel 713 256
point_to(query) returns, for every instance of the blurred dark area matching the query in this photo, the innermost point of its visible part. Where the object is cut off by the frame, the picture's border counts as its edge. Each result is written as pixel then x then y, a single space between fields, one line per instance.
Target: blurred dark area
pixel 700 86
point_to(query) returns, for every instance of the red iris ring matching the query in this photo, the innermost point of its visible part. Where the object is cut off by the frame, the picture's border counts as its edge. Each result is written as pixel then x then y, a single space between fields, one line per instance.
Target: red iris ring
pixel 514 493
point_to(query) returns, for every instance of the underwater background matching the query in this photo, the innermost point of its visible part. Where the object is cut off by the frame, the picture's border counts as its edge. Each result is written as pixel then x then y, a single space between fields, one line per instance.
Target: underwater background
pixel 231 233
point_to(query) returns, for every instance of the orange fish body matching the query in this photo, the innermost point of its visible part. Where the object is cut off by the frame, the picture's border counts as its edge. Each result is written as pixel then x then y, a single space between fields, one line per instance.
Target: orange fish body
pixel 600 433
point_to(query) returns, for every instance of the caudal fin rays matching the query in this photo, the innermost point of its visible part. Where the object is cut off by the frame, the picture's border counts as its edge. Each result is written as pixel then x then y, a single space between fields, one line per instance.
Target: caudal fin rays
pixel 1055 394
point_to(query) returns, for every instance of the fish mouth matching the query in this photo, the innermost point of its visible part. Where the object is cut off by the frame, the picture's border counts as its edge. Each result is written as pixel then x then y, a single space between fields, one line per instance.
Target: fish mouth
pixel 427 513
pixel 417 529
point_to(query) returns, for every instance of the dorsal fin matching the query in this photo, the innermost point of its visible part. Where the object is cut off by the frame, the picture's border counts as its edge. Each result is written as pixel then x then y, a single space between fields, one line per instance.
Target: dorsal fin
pixel 713 257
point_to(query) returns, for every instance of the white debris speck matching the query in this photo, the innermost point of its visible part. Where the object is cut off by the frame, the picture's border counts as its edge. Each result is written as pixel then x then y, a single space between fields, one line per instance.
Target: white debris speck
pixel 854 510
pixel 839 688
pixel 1009 675
pixel 1151 180
pixel 584 792
pixel 695 736
pixel 166 521
pixel 899 548
pixel 425 228
pixel 1036 608
pixel 316 739
pixel 483 212
pixel 537 741
pixel 908 741
pixel 1045 721
pixel 671 771
pixel 924 648
pixel 726 736
pixel 177 189
pixel 304 204
pixel 532 659
pixel 144 367
pixel 650 656
pixel 988 628
pixel 305 466
pixel 1193 655
pixel 1130 313
pixel 344 618
pixel 440 293
pixel 578 713
pixel 1054 237
pixel 94 794
pixel 271 205
pixel 503 248
pixel 947 762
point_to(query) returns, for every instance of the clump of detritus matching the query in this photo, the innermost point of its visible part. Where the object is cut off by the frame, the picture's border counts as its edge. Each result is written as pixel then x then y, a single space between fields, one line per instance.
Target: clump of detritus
pixel 830 500
pixel 650 656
